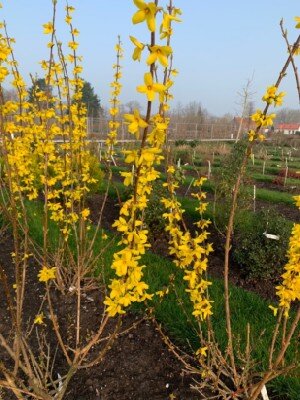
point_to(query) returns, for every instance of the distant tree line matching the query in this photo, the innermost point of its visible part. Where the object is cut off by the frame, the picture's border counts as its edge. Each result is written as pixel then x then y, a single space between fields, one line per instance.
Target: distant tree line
pixel 193 112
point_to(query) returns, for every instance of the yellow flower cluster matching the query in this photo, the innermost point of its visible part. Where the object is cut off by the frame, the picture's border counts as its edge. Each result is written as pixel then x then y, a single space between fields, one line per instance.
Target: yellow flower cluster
pixel 159 54
pixel 128 286
pixel 39 319
pixel 17 120
pixel 191 253
pixel 69 162
pixel 289 290
pixel 47 274
pixel 261 118
pixel 252 135
pixel 114 109
pixel 271 97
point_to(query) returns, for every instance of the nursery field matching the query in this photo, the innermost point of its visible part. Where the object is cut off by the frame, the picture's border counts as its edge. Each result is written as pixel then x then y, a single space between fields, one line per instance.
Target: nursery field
pixel 255 271
pixel 148 269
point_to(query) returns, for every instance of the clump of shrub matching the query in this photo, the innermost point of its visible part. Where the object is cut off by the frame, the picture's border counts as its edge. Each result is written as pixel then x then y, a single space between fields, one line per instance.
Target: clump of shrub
pixel 180 142
pixel 193 143
pixel 184 154
pixel 258 256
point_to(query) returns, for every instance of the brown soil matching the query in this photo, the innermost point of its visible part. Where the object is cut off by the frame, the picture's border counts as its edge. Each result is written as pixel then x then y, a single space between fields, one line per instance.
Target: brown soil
pixel 137 367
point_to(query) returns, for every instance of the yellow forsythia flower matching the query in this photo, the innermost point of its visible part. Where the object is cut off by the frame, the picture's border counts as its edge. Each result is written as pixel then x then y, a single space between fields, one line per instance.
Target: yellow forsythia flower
pixel 3 73
pixel 262 119
pixel 297 198
pixel 160 53
pixel 139 47
pixel 272 98
pixel 135 122
pixel 171 170
pixel 68 19
pixel 73 45
pixel 48 28
pixel 85 213
pixel 202 352
pixel 146 12
pixel 274 309
pixel 150 88
pixel 46 274
pixel 39 319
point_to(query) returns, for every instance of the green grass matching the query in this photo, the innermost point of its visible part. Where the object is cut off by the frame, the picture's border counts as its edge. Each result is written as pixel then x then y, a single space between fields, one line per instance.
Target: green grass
pixel 275 162
pixel 35 218
pixel 268 170
pixel 270 178
pixel 273 196
pixel 281 164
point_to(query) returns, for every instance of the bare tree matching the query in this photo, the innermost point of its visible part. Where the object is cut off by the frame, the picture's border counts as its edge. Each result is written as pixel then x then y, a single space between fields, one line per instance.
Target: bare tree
pixel 245 104
pixel 132 105
pixel 10 94
pixel 288 115
pixel 193 112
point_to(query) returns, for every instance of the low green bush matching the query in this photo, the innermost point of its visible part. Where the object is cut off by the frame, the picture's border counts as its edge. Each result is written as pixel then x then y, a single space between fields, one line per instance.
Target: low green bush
pixel 184 154
pixel 180 142
pixel 261 257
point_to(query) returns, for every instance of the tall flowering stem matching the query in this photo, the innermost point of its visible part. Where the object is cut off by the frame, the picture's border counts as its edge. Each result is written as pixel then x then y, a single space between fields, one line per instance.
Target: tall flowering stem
pixel 129 286
pixel 190 252
pixel 114 111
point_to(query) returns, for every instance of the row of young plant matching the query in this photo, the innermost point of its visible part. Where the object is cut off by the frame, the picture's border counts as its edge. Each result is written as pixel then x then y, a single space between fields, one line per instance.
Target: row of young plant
pixel 257 256
pixel 59 175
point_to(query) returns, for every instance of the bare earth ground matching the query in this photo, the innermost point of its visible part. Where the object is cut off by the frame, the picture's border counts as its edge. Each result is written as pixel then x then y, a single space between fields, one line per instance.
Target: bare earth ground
pixel 139 365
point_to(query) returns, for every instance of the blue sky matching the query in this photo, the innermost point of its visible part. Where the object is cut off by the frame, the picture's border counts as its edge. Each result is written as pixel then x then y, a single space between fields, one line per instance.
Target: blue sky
pixel 216 48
